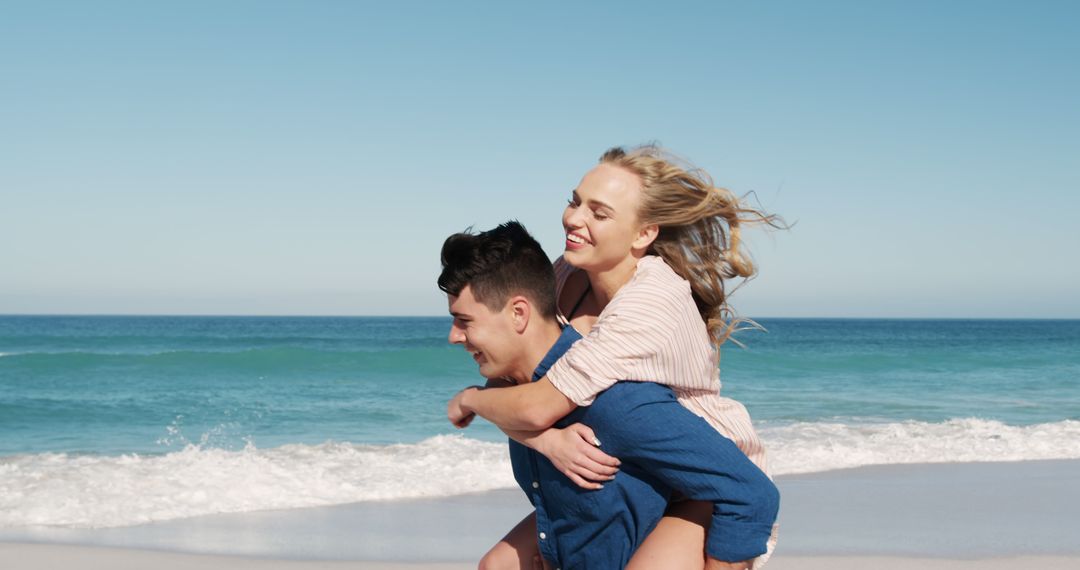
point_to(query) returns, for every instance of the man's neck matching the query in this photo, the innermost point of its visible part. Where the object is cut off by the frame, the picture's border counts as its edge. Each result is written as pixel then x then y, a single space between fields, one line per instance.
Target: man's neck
pixel 537 344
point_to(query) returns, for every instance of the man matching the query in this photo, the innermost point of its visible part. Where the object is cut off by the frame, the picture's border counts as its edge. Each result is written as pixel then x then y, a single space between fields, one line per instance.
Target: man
pixel 501 293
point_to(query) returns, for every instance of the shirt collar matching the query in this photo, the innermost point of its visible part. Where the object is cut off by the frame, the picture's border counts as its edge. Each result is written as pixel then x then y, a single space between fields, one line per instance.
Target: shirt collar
pixel 568 337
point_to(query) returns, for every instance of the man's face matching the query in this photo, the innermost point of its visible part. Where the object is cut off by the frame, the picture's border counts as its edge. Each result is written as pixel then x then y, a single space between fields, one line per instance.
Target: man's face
pixel 488 335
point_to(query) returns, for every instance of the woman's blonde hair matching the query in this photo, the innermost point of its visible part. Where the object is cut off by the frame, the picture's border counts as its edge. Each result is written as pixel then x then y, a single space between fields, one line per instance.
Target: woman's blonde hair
pixel 700 226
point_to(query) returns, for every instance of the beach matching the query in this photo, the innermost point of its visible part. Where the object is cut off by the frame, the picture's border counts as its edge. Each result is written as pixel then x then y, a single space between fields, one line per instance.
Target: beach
pixel 948 516
pixel 227 339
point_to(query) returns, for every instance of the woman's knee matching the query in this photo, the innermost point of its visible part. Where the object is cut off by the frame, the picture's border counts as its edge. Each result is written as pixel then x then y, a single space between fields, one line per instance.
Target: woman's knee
pixel 516 551
pixel 501 557
pixel 678 541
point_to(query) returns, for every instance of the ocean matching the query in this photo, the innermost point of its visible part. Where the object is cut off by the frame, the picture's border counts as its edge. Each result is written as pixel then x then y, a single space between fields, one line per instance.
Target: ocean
pixel 118 421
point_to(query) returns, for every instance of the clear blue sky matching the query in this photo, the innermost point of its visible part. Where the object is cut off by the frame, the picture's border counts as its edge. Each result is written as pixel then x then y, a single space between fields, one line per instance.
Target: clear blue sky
pixel 310 157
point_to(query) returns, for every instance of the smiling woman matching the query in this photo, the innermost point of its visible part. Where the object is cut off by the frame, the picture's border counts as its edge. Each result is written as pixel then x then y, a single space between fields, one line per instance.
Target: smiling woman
pixel 696 226
pixel 513 342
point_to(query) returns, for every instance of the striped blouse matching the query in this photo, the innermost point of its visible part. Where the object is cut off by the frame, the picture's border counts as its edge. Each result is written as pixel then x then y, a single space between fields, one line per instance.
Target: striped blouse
pixel 652 331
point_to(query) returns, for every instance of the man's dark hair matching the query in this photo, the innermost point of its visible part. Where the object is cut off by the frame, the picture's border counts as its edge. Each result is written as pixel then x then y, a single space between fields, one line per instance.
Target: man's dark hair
pixel 498 264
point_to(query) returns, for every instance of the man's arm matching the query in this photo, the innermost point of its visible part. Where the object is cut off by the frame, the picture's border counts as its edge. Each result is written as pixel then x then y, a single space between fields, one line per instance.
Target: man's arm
pixel 529 407
pixel 644 425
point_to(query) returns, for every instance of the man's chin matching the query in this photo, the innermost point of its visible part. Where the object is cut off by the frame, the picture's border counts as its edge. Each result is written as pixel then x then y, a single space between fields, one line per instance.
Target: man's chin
pixel 491 372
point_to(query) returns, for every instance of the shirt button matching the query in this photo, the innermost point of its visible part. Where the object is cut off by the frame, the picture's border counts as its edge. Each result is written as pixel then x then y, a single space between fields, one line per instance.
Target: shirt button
pixel 536 485
pixel 542 536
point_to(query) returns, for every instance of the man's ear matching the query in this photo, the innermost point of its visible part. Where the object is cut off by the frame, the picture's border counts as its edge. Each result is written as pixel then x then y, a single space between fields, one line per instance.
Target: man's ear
pixel 646 235
pixel 520 312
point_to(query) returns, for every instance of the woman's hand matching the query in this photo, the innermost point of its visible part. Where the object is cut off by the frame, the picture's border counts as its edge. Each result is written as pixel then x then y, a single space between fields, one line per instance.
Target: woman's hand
pixel 575 452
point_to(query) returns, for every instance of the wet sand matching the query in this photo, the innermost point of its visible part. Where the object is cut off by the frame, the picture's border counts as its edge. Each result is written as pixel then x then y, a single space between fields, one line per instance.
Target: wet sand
pixel 948 516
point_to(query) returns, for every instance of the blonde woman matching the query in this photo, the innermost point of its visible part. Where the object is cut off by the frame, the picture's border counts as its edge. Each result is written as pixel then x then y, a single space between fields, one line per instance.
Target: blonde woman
pixel 649 245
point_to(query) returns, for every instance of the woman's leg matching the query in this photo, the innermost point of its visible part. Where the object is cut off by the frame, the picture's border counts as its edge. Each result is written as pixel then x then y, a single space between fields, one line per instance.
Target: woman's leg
pixel 678 541
pixel 517 550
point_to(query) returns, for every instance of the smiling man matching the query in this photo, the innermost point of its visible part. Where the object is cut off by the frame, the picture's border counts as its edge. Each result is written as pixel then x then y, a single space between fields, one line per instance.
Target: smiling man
pixel 501 293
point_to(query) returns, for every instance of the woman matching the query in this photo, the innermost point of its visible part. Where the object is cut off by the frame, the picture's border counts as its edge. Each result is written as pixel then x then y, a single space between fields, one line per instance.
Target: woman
pixel 649 244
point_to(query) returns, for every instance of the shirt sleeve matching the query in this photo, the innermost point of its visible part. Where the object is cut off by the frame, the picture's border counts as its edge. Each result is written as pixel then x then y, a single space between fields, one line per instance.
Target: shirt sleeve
pixel 630 341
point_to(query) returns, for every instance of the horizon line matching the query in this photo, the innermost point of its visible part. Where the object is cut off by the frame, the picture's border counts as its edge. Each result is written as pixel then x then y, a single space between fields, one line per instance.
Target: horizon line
pixel 369 316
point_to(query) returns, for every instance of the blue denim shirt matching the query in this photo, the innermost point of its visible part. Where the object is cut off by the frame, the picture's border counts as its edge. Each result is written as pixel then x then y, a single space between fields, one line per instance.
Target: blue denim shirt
pixel 663 448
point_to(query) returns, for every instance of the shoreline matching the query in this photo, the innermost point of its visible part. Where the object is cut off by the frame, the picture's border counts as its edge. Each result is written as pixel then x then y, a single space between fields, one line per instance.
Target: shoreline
pixel 946 514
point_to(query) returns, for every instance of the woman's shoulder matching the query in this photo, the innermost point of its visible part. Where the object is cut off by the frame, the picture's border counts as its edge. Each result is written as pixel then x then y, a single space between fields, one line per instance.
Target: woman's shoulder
pixel 654 285
pixel 653 268
pixel 654 277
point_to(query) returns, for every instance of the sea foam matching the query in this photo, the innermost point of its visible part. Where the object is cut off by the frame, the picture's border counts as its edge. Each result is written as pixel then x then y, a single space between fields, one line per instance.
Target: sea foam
pixel 106 491
pixel 88 491
pixel 821 446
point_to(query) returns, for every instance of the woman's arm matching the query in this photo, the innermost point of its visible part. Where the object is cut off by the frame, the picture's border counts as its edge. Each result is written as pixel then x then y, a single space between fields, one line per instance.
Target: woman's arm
pixel 573 450
pixel 529 407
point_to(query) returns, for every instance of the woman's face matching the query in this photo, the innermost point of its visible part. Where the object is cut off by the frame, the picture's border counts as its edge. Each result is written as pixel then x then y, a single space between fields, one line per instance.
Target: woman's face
pixel 601 219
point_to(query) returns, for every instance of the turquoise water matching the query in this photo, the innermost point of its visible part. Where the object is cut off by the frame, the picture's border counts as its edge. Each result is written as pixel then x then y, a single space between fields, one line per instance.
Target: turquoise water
pixel 146 384
pixel 113 421
pixel 149 384
pixel 1016 371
